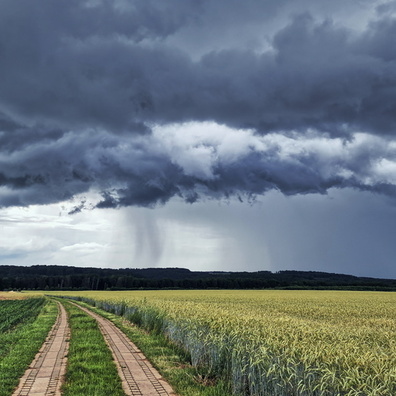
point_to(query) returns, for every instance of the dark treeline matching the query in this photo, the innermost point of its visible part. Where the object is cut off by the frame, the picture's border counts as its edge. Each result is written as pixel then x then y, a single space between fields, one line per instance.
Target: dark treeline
pixel 41 277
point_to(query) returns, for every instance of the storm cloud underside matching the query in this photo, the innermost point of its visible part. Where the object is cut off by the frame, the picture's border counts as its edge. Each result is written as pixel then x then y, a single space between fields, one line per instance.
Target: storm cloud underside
pixel 143 101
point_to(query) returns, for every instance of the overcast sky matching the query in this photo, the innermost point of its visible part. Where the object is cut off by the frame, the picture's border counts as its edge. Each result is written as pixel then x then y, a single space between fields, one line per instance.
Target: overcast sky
pixel 204 134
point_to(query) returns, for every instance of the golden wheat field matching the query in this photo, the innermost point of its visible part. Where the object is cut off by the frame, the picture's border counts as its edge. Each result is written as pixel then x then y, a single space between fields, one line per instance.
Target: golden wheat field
pixel 275 342
pixel 12 296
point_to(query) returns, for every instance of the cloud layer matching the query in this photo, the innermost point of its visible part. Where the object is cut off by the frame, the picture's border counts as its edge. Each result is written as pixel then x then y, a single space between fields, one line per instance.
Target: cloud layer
pixel 141 101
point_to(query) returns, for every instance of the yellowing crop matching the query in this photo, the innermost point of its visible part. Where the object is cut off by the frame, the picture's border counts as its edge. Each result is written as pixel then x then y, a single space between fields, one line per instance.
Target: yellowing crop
pixel 275 342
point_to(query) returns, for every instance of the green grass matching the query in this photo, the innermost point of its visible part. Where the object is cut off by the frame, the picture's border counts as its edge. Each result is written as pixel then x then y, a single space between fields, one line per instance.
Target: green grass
pixel 91 370
pixel 14 312
pixel 25 325
pixel 171 361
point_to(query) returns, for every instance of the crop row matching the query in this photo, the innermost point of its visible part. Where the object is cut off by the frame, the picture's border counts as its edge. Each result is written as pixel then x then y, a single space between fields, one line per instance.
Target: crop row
pixel 24 325
pixel 275 343
pixel 14 312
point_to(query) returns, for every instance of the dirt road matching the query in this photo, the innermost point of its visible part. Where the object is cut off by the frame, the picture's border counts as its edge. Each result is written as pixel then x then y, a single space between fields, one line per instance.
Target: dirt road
pixel 138 376
pixel 45 374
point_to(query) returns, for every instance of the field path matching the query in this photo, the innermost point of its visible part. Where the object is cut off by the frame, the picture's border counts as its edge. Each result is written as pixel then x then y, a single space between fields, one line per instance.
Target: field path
pixel 45 374
pixel 139 377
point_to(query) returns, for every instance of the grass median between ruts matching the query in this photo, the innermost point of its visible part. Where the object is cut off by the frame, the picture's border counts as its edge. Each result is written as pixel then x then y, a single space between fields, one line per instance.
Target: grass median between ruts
pixel 90 367
pixel 168 359
pixel 24 329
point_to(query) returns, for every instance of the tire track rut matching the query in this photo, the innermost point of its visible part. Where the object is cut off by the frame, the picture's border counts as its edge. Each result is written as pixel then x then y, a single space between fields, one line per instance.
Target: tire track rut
pixel 45 375
pixel 139 377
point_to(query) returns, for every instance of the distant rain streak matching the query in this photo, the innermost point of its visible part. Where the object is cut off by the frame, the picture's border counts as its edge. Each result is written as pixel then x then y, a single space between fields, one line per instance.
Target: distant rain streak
pixel 144 103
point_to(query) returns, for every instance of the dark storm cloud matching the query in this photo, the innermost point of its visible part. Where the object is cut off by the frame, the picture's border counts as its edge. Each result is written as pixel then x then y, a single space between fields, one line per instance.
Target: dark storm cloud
pixel 85 82
pixel 148 170
pixel 78 64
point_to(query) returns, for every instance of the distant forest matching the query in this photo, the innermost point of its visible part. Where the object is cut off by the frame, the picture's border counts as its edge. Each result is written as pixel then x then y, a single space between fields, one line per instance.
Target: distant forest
pixel 54 277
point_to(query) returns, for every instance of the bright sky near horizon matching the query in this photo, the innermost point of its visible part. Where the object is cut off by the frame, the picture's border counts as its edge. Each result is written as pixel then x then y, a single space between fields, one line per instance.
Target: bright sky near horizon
pixel 210 135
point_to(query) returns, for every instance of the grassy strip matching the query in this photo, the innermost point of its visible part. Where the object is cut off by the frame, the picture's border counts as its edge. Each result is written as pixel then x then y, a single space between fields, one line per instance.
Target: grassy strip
pixel 90 368
pixel 19 346
pixel 171 361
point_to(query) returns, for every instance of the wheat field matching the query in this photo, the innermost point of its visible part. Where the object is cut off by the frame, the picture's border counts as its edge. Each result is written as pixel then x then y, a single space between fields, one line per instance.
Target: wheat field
pixel 274 342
